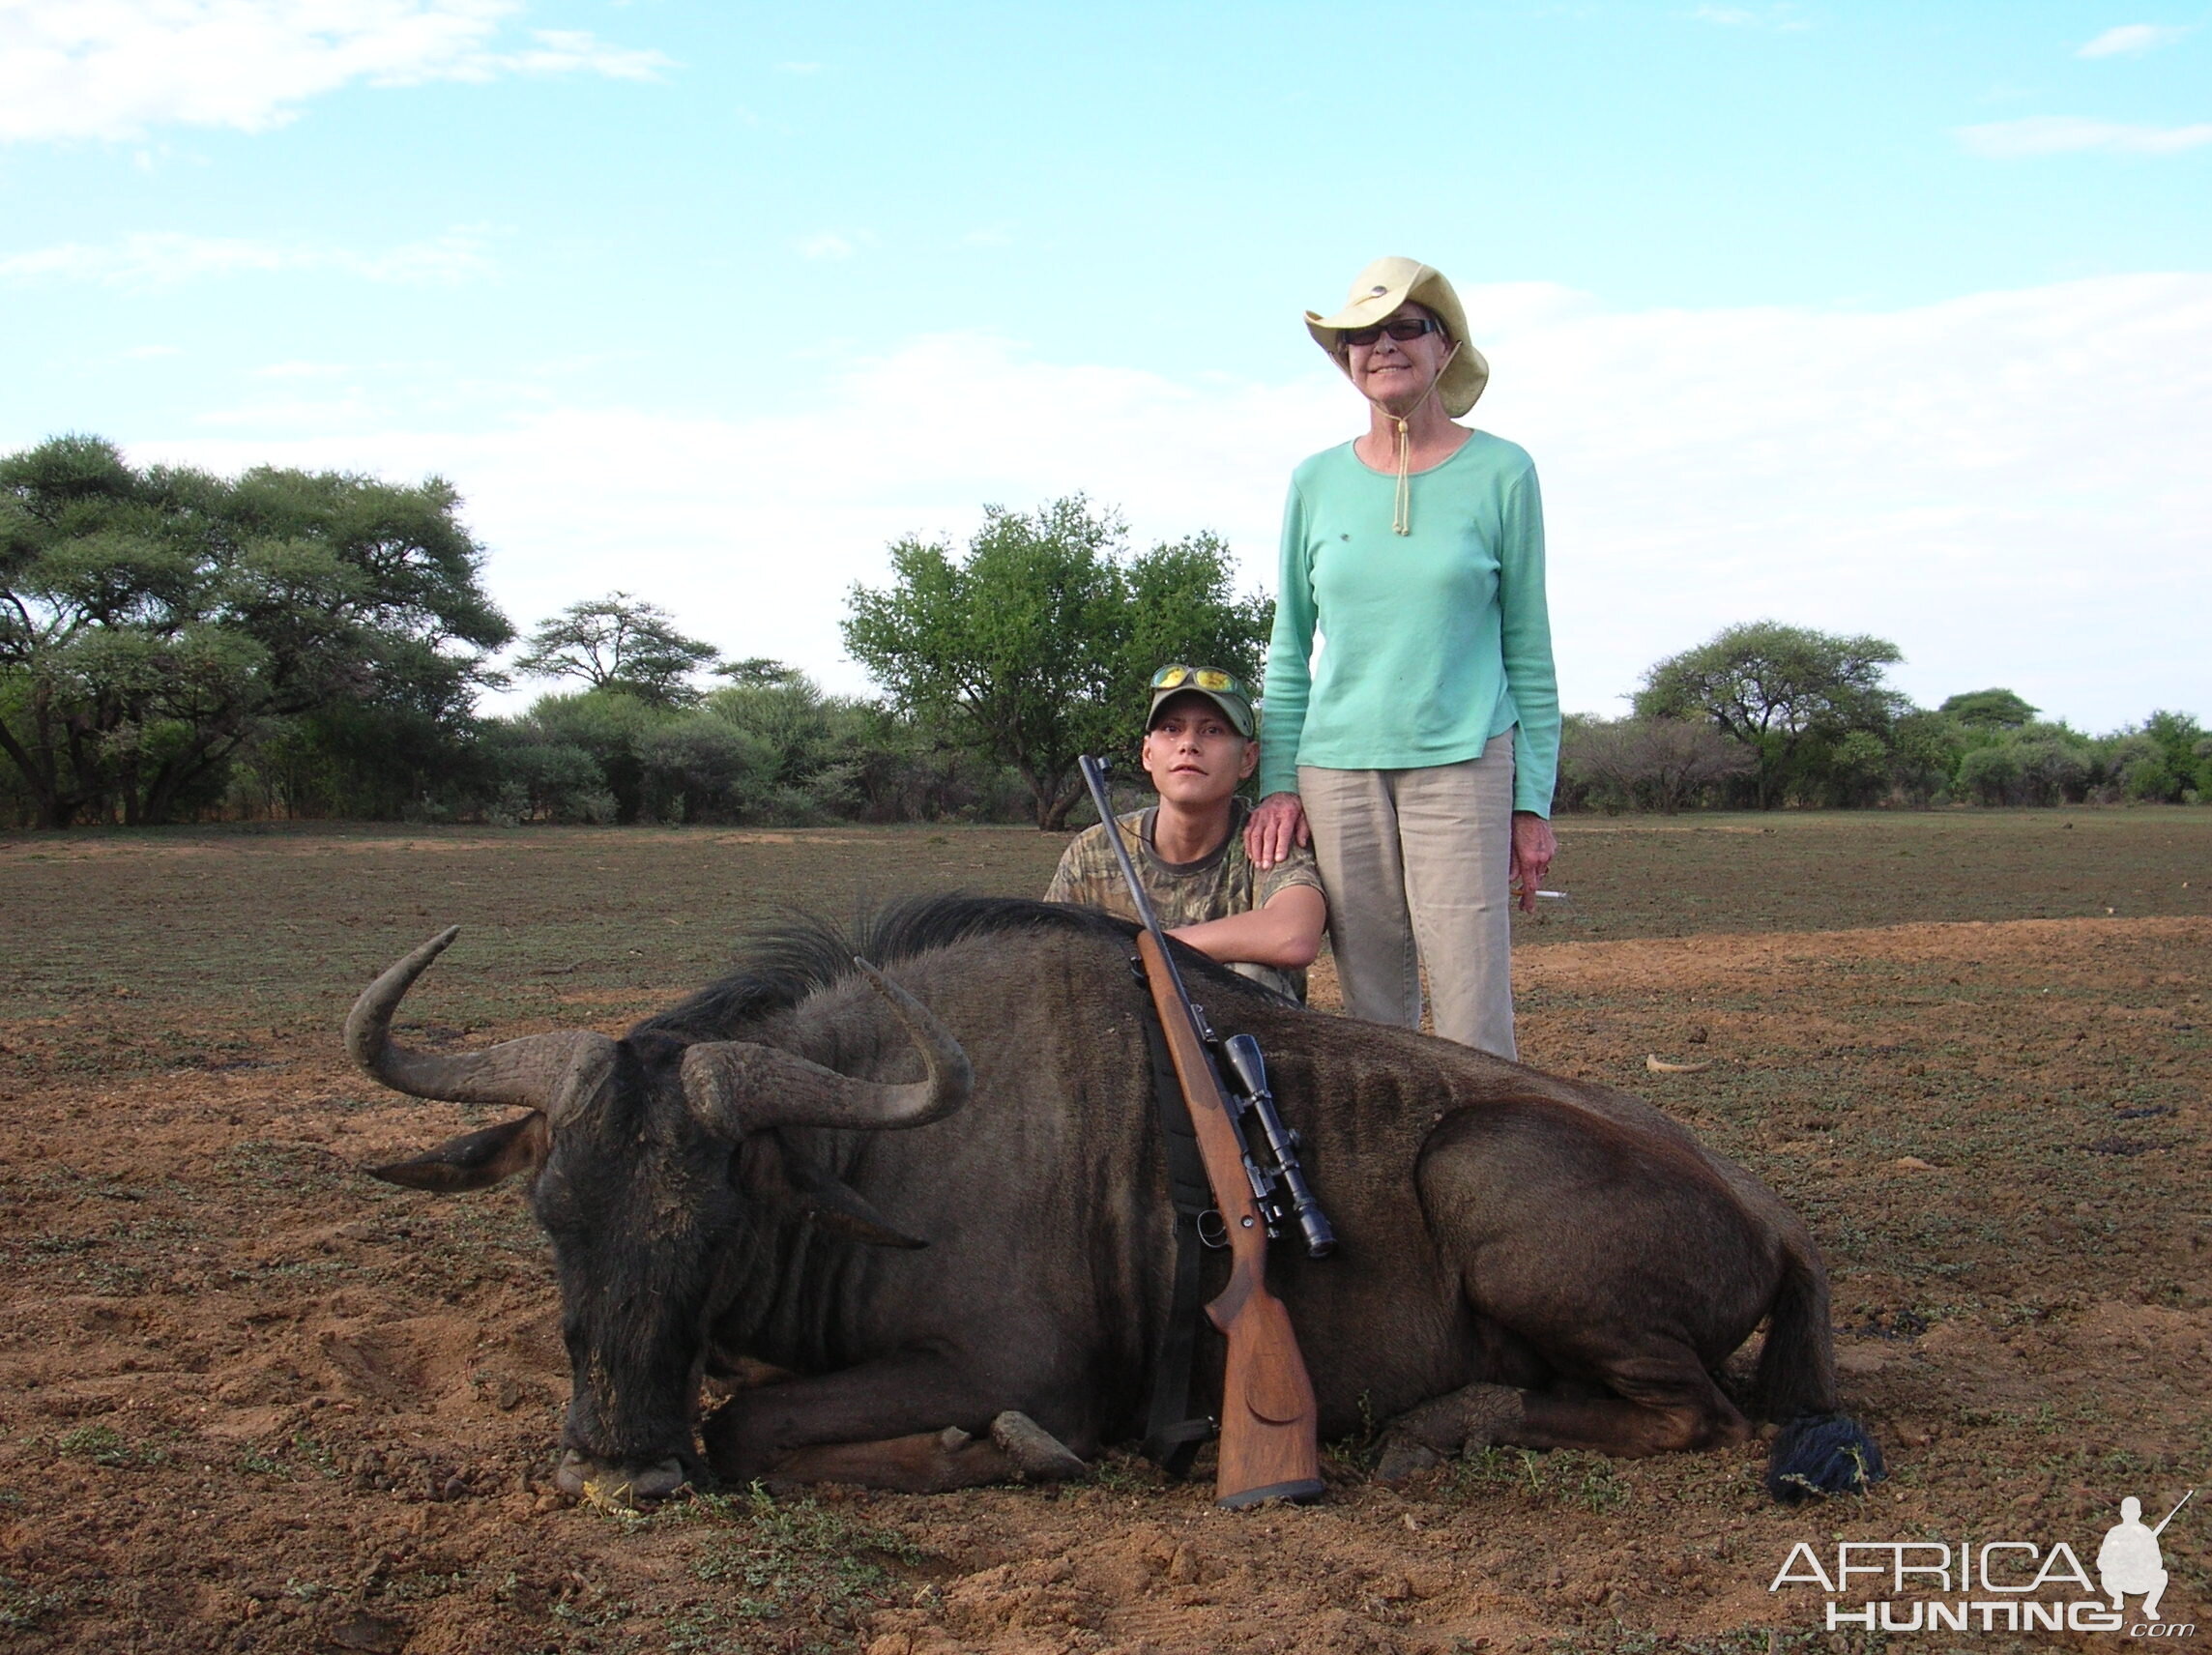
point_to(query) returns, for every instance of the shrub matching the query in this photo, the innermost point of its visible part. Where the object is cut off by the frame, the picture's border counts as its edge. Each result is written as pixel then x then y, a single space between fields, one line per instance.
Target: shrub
pixel 2054 767
pixel 1990 776
pixel 1652 763
pixel 701 768
pixel 542 779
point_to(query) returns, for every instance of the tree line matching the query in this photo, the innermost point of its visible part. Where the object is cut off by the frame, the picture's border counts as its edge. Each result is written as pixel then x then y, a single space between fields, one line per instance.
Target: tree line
pixel 176 646
pixel 1766 715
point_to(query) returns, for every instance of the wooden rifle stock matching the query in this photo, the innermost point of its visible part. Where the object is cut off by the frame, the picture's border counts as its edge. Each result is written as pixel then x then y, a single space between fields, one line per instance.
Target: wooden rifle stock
pixel 1268 1418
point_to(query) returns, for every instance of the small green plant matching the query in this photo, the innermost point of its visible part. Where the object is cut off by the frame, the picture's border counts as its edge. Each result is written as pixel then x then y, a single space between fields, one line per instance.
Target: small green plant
pixel 318 1454
pixel 593 1608
pixel 793 1557
pixel 1564 1476
pixel 1122 1474
pixel 22 1606
pixel 104 1445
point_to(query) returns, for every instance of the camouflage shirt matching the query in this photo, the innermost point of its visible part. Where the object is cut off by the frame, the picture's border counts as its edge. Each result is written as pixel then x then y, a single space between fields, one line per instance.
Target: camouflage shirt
pixel 1183 893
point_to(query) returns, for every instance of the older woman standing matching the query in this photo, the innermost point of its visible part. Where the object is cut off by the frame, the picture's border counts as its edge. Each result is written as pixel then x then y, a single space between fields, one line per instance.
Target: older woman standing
pixel 1417 752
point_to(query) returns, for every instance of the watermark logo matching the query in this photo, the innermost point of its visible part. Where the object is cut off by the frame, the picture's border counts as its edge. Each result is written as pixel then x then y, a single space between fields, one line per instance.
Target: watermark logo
pixel 1995 1585
pixel 2129 1561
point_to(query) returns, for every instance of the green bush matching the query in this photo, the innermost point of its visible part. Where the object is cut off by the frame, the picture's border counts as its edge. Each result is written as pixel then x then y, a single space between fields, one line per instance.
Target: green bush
pixel 2040 765
pixel 1990 776
pixel 2054 766
pixel 703 768
pixel 544 780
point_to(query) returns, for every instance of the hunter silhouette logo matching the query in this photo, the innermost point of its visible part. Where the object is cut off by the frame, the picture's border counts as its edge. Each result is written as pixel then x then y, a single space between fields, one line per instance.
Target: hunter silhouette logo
pixel 1993 1585
pixel 2129 1561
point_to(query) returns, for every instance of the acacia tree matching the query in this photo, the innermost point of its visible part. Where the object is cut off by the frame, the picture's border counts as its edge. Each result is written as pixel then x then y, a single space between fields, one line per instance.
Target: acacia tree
pixel 618 643
pixel 1989 709
pixel 1034 647
pixel 153 621
pixel 1790 694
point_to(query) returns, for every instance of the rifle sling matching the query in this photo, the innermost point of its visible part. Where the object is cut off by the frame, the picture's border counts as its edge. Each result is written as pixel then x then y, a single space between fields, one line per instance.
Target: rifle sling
pixel 1172 1432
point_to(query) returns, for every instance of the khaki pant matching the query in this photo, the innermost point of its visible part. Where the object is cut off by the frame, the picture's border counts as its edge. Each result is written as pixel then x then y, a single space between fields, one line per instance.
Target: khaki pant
pixel 1415 865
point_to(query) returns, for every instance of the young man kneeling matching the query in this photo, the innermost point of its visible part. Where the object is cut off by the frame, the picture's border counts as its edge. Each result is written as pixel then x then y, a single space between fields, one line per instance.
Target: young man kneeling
pixel 1189 848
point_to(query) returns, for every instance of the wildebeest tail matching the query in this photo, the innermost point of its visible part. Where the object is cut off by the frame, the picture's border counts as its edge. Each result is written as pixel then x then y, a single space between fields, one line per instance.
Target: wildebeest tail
pixel 1818 1451
pixel 1797 1367
pixel 1823 1453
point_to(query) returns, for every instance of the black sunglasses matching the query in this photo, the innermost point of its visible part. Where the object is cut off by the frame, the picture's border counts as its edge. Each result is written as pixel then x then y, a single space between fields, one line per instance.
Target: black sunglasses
pixel 1399 328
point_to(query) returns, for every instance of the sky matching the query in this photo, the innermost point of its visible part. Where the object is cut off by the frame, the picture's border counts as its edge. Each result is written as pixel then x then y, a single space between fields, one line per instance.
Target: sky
pixel 1888 318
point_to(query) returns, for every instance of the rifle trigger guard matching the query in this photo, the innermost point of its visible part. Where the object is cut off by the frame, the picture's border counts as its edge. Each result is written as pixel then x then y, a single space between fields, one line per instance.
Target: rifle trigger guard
pixel 1212 1228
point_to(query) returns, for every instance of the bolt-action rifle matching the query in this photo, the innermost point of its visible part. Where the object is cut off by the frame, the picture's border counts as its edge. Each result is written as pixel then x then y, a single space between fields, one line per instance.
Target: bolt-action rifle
pixel 1268 1418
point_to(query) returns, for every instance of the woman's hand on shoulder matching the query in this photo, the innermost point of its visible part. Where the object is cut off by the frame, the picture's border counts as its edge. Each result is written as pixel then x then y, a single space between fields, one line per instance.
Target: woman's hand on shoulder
pixel 1278 823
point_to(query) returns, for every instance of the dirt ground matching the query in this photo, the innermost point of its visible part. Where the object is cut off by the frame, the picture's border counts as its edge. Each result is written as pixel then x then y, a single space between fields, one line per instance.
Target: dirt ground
pixel 250 1400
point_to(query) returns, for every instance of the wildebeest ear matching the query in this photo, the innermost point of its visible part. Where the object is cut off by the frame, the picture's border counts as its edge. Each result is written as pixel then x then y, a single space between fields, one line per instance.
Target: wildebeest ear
pixel 773 1171
pixel 475 1160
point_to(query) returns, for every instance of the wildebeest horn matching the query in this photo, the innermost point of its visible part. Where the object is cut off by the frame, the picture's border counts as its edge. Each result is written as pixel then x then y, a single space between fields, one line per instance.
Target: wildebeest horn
pixel 742 1087
pixel 522 1071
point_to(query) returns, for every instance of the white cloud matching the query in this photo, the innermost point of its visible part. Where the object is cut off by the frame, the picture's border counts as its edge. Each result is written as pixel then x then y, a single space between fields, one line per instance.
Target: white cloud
pixel 157 259
pixel 2130 39
pixel 2073 135
pixel 113 68
pixel 825 244
pixel 572 51
pixel 2011 485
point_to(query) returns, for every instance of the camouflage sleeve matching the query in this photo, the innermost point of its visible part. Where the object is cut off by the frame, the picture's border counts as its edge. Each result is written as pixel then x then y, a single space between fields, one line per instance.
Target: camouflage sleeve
pixel 1296 868
pixel 1088 875
pixel 1068 876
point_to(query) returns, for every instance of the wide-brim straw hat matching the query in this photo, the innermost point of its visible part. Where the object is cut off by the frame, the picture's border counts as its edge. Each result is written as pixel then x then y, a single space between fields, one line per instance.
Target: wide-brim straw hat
pixel 1376 294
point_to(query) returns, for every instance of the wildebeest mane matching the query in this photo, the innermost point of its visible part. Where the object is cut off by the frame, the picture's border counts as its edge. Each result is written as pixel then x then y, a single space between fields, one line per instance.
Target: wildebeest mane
pixel 780 965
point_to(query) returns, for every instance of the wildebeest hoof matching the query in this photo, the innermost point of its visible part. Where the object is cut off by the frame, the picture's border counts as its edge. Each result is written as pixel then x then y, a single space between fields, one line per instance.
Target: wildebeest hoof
pixel 617 1490
pixel 952 1438
pixel 1402 1456
pixel 1038 1454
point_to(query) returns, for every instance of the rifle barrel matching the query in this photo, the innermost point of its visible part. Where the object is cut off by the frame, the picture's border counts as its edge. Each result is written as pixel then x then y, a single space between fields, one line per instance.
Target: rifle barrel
pixel 2174 1513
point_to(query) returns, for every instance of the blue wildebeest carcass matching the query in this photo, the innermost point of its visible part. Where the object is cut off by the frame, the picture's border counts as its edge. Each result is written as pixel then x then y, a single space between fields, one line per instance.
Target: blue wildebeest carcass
pixel 930 1204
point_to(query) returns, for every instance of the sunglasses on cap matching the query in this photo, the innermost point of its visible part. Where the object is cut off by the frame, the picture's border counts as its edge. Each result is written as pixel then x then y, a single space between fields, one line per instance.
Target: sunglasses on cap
pixel 1195 678
pixel 1399 328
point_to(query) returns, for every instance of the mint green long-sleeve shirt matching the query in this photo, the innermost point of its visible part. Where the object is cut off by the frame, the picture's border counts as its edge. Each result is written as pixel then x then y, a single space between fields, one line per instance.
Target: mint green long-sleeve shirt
pixel 1432 642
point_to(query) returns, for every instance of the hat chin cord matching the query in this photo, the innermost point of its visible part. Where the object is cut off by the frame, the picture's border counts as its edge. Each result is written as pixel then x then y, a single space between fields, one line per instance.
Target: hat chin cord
pixel 1401 507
